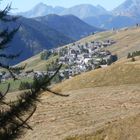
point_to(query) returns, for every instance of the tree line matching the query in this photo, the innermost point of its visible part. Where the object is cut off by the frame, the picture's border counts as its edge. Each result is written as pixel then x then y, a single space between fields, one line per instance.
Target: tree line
pixel 133 54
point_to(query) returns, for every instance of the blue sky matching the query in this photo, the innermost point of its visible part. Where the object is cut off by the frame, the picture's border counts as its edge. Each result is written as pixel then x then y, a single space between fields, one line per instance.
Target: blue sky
pixel 24 5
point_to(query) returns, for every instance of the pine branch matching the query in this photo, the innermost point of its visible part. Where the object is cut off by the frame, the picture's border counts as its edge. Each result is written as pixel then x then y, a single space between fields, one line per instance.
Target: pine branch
pixel 15 129
pixel 5 17
pixel 2 95
pixel 58 94
pixel 4 33
pixel 49 80
pixel 10 56
pixel 12 70
pixel 28 127
pixel 8 38
pixel 5 12
pixel 11 123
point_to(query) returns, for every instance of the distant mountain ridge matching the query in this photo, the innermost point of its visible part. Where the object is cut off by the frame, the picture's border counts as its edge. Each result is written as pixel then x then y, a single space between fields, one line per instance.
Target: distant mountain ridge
pixel 111 21
pixel 42 9
pixel 81 11
pixel 126 14
pixel 68 25
pixel 85 10
pixel 33 37
pixel 37 34
pixel 46 29
pixel 128 8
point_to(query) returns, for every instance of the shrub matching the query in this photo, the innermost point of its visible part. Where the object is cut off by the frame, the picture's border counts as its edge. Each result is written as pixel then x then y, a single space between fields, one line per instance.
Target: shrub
pixel 133 59
pixel 24 86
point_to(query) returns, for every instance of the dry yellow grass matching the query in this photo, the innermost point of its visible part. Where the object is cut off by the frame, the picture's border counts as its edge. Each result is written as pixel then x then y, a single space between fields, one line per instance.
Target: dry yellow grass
pixel 127 40
pixel 86 114
pixel 121 73
pixel 122 129
pixel 35 63
pixel 104 104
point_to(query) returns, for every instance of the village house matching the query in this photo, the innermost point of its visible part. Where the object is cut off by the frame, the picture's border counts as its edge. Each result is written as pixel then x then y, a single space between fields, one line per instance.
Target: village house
pixel 78 58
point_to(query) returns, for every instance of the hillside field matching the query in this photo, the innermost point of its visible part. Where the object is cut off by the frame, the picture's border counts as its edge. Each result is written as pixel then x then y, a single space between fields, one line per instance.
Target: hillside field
pixel 127 40
pixel 103 104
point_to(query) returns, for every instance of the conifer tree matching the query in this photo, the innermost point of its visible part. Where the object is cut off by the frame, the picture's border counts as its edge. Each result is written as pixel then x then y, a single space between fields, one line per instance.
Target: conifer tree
pixel 12 114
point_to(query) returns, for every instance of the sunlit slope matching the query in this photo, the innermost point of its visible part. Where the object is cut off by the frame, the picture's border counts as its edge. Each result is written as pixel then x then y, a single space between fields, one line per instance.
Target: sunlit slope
pixel 35 63
pixel 120 73
pixel 122 129
pixel 127 40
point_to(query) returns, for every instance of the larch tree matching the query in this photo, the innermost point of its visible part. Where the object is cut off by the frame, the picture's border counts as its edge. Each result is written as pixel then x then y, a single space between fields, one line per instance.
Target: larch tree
pixel 14 115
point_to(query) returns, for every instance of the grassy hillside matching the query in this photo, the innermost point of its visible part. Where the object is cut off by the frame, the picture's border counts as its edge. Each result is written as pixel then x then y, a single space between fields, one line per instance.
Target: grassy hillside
pixel 14 85
pixel 115 130
pixel 35 63
pixel 103 104
pixel 127 40
pixel 123 72
pixel 94 113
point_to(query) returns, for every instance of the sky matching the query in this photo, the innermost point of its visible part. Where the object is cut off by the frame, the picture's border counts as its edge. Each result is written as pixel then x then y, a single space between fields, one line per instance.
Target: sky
pixel 25 5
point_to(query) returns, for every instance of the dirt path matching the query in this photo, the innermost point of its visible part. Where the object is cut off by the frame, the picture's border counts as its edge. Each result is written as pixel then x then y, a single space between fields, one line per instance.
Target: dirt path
pixel 83 112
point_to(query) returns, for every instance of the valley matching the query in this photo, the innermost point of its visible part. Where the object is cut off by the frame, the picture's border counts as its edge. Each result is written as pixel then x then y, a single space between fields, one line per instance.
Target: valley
pixel 126 41
pixel 102 104
pixel 36 35
pixel 77 76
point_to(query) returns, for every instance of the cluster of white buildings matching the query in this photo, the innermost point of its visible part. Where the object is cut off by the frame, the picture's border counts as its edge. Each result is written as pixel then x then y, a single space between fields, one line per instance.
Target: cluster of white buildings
pixel 76 58
pixel 80 58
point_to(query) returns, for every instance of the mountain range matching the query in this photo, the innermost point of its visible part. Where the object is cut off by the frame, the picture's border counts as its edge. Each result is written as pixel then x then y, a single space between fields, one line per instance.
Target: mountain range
pixel 85 10
pixel 81 11
pixel 48 27
pixel 32 38
pixel 111 21
pixel 37 34
pixel 69 25
pixel 128 8
pixel 42 9
pixel 126 14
